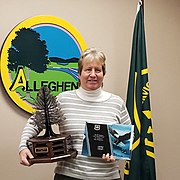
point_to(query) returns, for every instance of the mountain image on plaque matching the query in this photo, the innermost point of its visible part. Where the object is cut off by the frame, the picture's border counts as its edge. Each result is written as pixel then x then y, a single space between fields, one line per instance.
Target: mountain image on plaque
pixel 115 139
pixel 49 147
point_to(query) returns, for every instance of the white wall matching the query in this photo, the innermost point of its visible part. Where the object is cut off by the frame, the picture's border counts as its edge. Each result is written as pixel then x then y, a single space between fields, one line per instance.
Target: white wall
pixel 107 25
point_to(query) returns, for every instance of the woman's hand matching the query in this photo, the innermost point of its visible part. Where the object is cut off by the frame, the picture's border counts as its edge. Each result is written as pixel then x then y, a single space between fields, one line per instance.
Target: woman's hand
pixel 24 155
pixel 108 157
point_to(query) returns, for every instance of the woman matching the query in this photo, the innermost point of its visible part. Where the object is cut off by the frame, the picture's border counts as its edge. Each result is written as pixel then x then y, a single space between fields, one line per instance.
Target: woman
pixel 89 103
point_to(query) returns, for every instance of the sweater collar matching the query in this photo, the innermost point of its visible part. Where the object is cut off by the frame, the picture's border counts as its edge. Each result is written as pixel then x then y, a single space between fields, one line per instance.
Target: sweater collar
pixel 97 95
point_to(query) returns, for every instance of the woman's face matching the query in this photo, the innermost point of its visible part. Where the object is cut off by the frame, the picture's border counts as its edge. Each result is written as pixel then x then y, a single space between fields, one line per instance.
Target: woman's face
pixel 91 76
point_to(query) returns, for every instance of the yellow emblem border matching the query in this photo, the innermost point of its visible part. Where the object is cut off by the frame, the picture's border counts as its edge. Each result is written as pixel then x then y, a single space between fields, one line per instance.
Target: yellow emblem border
pixel 30 22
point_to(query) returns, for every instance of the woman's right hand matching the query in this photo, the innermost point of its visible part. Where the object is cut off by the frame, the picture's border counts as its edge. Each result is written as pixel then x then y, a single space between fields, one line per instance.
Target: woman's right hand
pixel 24 155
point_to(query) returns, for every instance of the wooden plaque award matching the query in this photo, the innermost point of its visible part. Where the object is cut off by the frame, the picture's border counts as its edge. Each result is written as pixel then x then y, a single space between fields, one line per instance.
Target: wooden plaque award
pixel 50 147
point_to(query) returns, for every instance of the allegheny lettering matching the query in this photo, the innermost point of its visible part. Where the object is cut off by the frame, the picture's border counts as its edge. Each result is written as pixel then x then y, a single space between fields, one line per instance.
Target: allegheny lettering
pixel 20 80
pixel 53 86
pixel 29 86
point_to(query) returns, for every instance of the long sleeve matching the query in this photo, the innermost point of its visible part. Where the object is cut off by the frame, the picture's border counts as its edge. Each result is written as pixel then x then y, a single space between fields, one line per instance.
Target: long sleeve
pixel 124 115
pixel 30 130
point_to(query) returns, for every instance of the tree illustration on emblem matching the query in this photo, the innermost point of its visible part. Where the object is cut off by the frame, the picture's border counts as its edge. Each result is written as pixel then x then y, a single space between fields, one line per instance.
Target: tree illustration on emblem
pixel 28 50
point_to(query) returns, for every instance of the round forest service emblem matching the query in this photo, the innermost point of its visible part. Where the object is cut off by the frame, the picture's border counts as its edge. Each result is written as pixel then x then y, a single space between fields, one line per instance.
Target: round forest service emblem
pixel 40 51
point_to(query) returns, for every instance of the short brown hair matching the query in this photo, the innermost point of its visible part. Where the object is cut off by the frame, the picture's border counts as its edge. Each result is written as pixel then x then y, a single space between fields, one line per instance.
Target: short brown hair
pixel 92 54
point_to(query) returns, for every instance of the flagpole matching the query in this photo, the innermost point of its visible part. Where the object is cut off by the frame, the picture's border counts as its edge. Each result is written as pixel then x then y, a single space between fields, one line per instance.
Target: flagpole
pixel 142 5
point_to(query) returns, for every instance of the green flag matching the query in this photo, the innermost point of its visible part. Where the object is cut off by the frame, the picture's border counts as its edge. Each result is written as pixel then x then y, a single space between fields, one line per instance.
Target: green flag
pixel 142 163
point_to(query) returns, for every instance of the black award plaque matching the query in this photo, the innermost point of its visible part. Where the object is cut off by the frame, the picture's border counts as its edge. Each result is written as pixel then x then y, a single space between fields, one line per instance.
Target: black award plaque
pixel 98 138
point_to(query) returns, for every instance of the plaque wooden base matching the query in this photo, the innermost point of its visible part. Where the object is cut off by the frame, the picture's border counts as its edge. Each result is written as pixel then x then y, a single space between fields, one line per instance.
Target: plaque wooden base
pixel 51 149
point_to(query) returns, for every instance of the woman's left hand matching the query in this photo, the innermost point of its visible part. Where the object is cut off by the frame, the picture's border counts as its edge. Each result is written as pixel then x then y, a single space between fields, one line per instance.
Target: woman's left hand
pixel 108 157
